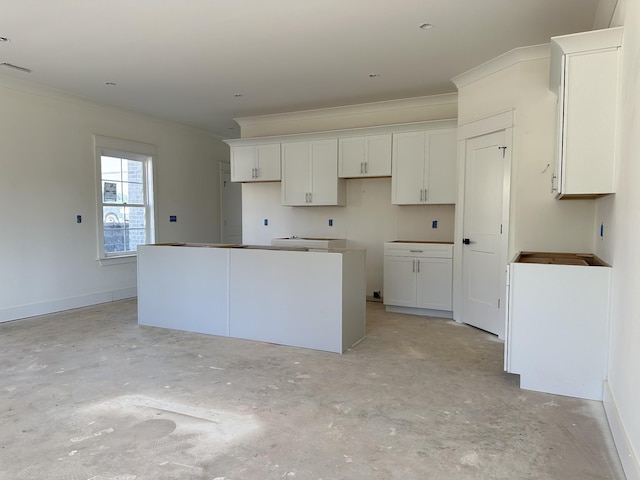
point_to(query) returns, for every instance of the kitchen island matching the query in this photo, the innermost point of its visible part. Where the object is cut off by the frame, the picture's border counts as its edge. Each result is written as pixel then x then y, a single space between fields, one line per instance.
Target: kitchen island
pixel 304 297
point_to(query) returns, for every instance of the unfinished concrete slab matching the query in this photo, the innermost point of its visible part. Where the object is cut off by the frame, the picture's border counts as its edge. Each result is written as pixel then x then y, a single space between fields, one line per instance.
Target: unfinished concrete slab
pixel 89 394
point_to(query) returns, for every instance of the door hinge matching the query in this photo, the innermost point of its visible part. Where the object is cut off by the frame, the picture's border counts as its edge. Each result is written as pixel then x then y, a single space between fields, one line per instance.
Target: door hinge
pixel 504 150
pixel 498 303
pixel 500 229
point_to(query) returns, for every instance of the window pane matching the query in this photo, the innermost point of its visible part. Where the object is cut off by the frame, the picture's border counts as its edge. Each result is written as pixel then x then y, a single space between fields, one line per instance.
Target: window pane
pixel 132 171
pixel 114 238
pixel 135 217
pixel 133 193
pixel 135 237
pixel 111 168
pixel 113 215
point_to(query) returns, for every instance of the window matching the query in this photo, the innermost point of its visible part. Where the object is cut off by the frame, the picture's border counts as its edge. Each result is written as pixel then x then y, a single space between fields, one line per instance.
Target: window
pixel 125 198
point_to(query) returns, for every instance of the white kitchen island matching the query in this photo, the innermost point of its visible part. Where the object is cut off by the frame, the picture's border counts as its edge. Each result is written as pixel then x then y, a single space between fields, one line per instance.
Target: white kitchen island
pixel 303 297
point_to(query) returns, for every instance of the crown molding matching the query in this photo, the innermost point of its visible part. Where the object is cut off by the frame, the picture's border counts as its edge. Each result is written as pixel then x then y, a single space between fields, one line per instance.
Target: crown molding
pixel 349 110
pixel 508 59
pixel 41 90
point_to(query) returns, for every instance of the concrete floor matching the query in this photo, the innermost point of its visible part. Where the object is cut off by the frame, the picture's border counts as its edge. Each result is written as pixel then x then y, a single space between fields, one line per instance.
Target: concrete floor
pixel 88 394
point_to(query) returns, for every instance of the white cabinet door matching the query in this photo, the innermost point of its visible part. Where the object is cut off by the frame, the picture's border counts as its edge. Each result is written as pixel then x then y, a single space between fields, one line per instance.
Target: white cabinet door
pixel 441 178
pixel 408 168
pixel 324 172
pixel 310 174
pixel 268 163
pixel 400 281
pixel 255 163
pixel 296 170
pixel 434 283
pixel 243 163
pixel 365 156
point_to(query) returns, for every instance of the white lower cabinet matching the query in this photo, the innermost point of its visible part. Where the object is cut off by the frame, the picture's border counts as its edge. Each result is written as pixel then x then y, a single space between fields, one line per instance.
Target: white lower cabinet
pixel 418 276
pixel 558 324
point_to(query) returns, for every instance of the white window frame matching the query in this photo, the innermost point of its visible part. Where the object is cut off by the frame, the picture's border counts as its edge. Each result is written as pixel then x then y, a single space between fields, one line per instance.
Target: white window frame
pixel 127 149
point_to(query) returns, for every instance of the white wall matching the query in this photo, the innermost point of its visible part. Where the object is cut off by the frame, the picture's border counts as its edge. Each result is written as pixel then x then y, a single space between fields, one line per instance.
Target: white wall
pixel 48 261
pixel 538 222
pixel 619 247
pixel 369 219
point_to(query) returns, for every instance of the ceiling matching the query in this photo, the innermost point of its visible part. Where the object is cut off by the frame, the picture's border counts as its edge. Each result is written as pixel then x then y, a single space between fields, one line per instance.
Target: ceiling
pixel 205 62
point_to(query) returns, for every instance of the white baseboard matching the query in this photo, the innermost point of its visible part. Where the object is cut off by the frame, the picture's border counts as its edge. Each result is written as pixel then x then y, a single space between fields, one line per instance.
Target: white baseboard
pixel 425 312
pixel 31 310
pixel 626 453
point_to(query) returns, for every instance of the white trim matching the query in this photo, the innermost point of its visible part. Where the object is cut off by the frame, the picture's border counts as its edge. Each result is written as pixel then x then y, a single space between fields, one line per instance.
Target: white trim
pixel 490 124
pixel 144 153
pixel 423 312
pixel 31 310
pixel 351 132
pixel 349 110
pixel 512 57
pixel 628 458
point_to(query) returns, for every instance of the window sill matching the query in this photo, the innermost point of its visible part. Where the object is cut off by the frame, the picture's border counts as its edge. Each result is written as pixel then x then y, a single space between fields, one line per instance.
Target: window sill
pixel 118 260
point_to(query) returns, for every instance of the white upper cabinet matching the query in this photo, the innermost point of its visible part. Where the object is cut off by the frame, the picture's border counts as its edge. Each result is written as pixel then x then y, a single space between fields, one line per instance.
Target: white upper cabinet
pixel 584 75
pixel 255 163
pixel 364 156
pixel 310 174
pixel 424 167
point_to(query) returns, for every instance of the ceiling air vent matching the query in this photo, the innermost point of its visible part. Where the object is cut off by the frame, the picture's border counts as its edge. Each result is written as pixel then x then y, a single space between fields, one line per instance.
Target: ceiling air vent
pixel 15 67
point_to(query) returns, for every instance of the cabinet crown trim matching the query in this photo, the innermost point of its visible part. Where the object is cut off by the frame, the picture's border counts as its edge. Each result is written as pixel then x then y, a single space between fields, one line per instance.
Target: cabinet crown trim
pixel 351 132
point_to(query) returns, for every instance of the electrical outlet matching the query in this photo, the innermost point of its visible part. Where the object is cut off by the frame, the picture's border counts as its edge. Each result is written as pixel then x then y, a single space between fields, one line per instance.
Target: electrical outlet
pixel 266 222
pixel 331 222
pixel 78 218
pixel 434 224
pixel 173 218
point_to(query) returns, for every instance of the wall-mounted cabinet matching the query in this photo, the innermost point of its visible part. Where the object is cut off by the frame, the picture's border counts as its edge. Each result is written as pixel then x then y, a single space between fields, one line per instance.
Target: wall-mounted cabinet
pixel 584 75
pixel 424 167
pixel 364 156
pixel 310 174
pixel 255 163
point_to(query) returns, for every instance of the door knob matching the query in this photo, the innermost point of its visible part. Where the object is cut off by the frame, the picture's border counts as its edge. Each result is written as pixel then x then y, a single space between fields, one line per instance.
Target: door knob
pixel 466 241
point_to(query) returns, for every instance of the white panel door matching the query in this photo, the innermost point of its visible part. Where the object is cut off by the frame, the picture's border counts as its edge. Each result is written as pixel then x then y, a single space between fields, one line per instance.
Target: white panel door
pixel 441 177
pixel 434 283
pixel 482 270
pixel 400 281
pixel 324 172
pixel 268 162
pixel 351 157
pixel 243 162
pixel 295 173
pixel 407 183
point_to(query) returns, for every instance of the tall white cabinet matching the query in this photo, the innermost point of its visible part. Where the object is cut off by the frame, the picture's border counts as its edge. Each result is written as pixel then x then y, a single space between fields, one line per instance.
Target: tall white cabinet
pixel 424 167
pixel 584 75
pixel 310 174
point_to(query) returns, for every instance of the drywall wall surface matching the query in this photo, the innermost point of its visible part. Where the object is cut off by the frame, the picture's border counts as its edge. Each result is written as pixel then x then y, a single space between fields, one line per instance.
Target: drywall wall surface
pixel 538 222
pixel 619 215
pixel 367 221
pixel 408 110
pixel 49 261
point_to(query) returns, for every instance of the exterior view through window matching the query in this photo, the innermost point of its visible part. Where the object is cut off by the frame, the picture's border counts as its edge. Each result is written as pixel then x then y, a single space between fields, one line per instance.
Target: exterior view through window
pixel 126 216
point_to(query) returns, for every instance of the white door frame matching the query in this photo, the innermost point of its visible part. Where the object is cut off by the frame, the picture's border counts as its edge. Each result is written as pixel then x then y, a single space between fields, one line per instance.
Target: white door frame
pixel 494 123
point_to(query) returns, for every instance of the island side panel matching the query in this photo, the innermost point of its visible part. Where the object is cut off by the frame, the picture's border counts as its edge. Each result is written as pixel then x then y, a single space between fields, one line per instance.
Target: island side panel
pixel 354 297
pixel 184 288
pixel 286 297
